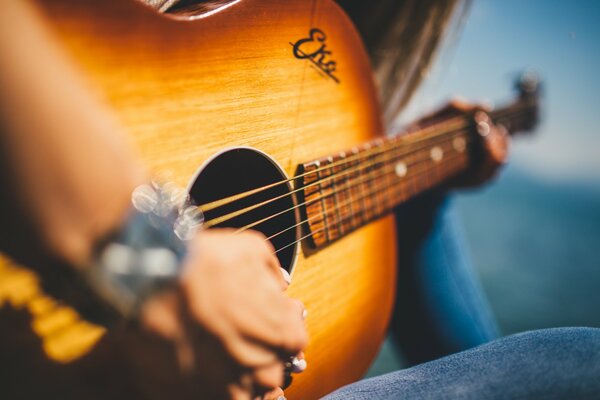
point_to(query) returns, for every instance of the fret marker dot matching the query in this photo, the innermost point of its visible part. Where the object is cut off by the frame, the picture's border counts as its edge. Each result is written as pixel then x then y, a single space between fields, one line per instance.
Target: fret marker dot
pixel 459 144
pixel 401 169
pixel 436 154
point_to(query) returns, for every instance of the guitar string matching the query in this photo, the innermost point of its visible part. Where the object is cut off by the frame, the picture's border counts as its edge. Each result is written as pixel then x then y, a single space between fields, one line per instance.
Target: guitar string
pixel 340 220
pixel 367 151
pixel 352 214
pixel 364 166
pixel 341 189
pixel 409 149
pixel 330 177
pixel 372 162
pixel 336 191
pixel 412 179
pixel 519 111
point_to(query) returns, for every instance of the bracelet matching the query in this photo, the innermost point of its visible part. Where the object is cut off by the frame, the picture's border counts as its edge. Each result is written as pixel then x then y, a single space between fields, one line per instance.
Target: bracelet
pixel 146 254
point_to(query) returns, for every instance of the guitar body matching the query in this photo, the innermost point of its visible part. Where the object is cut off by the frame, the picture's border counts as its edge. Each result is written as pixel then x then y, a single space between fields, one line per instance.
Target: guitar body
pixel 186 90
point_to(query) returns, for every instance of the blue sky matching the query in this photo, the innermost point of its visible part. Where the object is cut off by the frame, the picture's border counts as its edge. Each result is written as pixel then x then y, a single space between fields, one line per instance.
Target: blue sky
pixel 561 40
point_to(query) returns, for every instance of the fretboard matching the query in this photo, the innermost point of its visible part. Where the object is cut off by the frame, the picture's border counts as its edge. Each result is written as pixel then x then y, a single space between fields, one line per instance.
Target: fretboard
pixel 345 191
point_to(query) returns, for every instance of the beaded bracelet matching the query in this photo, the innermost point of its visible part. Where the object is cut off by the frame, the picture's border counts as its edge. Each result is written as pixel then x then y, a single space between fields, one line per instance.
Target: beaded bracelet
pixel 147 252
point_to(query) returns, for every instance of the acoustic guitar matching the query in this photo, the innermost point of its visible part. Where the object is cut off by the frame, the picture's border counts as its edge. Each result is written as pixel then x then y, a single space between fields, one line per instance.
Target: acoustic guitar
pixel 267 111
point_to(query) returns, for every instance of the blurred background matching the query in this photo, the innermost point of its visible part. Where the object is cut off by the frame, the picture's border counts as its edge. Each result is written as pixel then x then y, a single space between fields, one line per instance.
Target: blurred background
pixel 534 234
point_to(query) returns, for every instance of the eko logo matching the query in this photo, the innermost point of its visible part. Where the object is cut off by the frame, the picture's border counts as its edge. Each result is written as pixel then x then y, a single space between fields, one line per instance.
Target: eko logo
pixel 314 49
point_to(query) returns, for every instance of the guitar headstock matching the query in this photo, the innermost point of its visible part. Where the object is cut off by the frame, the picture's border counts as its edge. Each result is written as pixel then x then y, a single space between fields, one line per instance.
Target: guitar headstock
pixel 522 115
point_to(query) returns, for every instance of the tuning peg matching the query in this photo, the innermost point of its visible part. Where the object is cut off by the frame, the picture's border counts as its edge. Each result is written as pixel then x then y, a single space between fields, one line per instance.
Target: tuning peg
pixel 528 84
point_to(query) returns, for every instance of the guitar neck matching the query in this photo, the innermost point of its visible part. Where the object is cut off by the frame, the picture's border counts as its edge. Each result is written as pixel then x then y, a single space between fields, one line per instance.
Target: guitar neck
pixel 347 190
pixel 344 191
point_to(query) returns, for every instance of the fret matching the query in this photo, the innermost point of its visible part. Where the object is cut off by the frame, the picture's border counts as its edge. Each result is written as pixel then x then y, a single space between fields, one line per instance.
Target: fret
pixel 401 170
pixel 328 199
pixel 363 173
pixel 434 154
pixel 372 175
pixel 459 150
pixel 336 198
pixel 390 175
pixel 358 187
pixel 344 193
pixel 323 187
pixel 413 176
pixel 445 167
pixel 454 157
pixel 379 173
pixel 315 209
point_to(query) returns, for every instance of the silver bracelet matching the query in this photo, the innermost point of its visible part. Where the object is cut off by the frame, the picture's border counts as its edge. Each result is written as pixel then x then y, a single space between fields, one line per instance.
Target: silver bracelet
pixel 146 254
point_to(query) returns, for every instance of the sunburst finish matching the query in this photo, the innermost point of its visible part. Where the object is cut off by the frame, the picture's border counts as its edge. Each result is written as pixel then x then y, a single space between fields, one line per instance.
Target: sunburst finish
pixel 185 90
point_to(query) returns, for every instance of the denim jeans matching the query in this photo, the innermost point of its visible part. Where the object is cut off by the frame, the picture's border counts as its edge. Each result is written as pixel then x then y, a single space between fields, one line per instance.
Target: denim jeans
pixel 444 327
pixel 440 305
pixel 560 363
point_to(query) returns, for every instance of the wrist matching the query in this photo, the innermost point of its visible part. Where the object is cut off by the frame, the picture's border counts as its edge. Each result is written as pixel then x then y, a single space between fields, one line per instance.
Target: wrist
pixel 142 256
pixel 78 228
pixel 145 255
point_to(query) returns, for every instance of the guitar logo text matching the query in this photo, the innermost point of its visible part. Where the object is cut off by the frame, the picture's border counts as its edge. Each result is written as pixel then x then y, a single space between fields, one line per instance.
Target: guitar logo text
pixel 314 49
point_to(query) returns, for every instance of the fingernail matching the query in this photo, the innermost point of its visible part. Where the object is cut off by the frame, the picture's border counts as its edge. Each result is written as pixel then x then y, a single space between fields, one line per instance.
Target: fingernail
pixel 304 313
pixel 298 365
pixel 286 276
pixel 483 128
pixel 281 398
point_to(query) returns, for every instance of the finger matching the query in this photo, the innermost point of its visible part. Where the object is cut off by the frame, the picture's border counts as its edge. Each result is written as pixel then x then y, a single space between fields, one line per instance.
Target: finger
pixel 275 394
pixel 267 251
pixel 161 315
pixel 240 391
pixel 288 338
pixel 282 275
pixel 296 337
pixel 459 104
pixel 250 353
pixel 281 329
pixel 273 320
pixel 495 139
pixel 496 153
pixel 270 376
pixel 496 146
pixel 499 145
pixel 287 278
pixel 300 307
pixel 299 363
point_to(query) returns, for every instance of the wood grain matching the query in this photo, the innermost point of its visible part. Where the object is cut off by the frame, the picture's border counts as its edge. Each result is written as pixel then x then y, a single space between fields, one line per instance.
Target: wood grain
pixel 188 89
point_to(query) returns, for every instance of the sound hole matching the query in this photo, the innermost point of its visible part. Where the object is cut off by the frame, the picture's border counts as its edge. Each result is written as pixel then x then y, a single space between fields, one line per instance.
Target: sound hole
pixel 240 170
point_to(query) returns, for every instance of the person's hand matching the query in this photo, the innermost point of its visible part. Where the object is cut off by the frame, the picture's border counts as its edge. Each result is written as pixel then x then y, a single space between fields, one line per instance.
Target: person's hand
pixel 495 143
pixel 275 394
pixel 229 323
pixel 296 366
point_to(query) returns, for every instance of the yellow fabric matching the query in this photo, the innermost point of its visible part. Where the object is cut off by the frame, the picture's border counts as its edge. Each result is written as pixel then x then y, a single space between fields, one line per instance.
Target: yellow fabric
pixel 65 335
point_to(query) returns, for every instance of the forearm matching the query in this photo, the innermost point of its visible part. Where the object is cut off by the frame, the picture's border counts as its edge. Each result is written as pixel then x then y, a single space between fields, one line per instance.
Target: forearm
pixel 72 172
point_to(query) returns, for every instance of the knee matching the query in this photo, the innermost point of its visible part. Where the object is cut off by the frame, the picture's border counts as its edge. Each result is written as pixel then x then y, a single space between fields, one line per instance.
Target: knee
pixel 572 338
pixel 569 349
